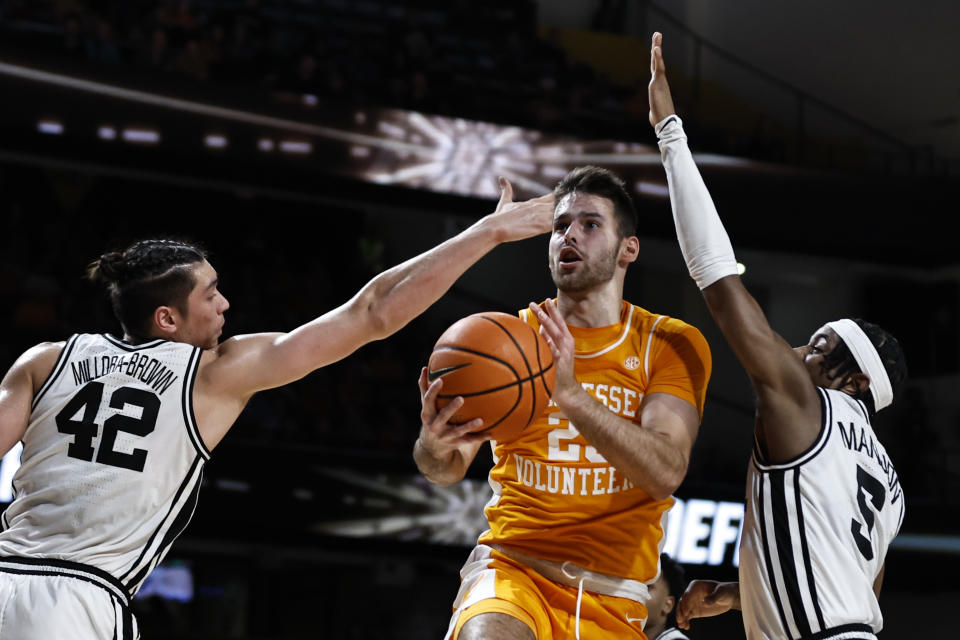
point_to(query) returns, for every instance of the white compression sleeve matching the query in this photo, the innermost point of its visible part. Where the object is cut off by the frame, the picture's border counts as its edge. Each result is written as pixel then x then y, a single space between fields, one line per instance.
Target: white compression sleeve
pixel 703 240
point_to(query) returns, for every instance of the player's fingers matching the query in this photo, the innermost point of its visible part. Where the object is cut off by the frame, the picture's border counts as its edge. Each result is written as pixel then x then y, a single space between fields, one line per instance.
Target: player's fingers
pixel 546 198
pixel 429 400
pixel 542 317
pixel 506 192
pixel 423 382
pixel 448 411
pixel 653 46
pixel 559 326
pixel 710 599
pixel 481 436
pixel 467 428
pixel 433 390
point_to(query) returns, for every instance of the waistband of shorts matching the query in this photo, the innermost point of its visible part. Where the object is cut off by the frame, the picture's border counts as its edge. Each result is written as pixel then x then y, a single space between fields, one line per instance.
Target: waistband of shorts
pixel 854 631
pixel 65 568
pixel 571 575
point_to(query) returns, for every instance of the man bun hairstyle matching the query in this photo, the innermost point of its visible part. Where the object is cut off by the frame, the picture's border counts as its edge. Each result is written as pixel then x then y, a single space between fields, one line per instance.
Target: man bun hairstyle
pixel 146 275
pixel 600 182
pixel 888 349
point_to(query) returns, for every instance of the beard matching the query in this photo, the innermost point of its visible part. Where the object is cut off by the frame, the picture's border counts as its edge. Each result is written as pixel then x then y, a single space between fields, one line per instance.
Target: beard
pixel 589 274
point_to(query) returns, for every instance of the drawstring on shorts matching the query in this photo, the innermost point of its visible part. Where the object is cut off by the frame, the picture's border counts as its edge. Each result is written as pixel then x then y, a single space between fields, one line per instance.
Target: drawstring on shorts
pixel 573 576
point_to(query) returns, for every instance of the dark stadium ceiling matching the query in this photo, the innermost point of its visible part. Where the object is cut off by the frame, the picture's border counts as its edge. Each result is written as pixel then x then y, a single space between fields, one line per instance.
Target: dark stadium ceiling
pixel 450 164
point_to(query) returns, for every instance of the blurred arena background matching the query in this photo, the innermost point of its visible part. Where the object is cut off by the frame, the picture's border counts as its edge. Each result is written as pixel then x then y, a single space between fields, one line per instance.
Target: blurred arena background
pixel 311 143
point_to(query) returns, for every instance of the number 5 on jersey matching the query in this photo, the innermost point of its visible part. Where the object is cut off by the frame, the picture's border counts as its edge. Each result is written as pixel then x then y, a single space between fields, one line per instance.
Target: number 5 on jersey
pixel 84 430
pixel 866 485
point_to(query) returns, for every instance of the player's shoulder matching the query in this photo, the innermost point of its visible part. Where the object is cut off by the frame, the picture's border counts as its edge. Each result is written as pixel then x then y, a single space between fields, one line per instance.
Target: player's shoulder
pixel 42 352
pixel 527 316
pixel 662 324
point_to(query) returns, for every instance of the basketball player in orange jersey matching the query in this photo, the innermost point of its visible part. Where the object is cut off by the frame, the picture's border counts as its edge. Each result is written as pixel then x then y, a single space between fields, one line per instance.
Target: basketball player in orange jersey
pixel 116 431
pixel 580 497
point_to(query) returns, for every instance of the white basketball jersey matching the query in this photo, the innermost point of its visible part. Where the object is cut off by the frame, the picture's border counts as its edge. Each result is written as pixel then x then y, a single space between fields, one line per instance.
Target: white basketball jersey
pixel 817 531
pixel 112 461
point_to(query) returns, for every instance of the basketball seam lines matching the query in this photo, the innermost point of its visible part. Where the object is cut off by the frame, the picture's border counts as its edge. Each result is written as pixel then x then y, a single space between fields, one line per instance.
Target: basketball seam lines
pixel 517 382
pixel 533 388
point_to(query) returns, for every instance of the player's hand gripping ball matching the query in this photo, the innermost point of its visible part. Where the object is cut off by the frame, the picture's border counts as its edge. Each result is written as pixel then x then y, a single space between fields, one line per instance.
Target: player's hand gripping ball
pixel 500 365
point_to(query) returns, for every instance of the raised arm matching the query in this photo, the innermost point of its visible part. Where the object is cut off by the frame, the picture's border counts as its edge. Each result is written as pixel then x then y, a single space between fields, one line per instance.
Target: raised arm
pixel 243 365
pixel 788 406
pixel 18 388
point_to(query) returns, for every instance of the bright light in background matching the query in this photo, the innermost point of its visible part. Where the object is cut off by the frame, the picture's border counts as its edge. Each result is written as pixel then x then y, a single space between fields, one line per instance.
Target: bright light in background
pixel 107 133
pixel 8 466
pixel 295 146
pixel 50 127
pixel 657 190
pixel 265 144
pixel 704 531
pixel 453 155
pixel 141 136
pixel 215 141
pixel 741 268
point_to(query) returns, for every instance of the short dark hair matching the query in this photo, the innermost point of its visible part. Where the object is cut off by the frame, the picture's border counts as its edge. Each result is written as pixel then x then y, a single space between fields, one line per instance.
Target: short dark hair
pixel 676 579
pixel 146 275
pixel 598 181
pixel 889 350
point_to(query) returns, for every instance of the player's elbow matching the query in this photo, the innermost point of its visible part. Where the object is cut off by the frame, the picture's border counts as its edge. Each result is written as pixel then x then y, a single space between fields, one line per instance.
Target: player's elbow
pixel 662 491
pixel 442 481
pixel 370 311
pixel 665 484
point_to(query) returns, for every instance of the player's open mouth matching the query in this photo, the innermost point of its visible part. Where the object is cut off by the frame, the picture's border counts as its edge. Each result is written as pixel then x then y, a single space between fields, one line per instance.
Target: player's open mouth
pixel 569 256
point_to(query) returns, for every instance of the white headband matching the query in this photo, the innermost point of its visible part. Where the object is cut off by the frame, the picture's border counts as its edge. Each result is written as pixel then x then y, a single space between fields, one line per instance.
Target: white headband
pixel 867 357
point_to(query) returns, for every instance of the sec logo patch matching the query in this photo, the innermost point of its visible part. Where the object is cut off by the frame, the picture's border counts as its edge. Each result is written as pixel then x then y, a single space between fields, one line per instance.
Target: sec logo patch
pixel 632 363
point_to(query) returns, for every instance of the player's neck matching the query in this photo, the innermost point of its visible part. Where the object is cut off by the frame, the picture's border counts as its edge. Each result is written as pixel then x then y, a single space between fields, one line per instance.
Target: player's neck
pixel 598 307
pixel 652 633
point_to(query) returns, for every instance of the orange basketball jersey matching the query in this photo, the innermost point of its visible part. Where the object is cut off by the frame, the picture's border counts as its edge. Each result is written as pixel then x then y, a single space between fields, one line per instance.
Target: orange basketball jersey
pixel 555 496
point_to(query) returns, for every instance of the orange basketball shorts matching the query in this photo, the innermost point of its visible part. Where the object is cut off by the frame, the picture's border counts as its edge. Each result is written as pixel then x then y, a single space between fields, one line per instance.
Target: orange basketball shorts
pixel 492 582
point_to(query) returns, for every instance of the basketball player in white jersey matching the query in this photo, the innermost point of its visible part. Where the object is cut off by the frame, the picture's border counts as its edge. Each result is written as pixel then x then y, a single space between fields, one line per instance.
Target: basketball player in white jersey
pixel 116 431
pixel 823 498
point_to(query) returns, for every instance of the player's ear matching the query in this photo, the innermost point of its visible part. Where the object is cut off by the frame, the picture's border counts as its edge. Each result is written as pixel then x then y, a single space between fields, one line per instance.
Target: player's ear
pixel 629 250
pixel 856 383
pixel 668 604
pixel 165 319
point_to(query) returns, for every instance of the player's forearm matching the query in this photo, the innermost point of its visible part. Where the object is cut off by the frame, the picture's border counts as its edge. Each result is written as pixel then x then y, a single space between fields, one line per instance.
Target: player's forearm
pixel 703 240
pixel 401 293
pixel 646 457
pixel 442 471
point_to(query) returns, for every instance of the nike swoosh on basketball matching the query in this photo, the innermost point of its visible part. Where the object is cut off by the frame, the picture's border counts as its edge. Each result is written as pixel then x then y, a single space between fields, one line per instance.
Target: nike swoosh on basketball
pixel 433 375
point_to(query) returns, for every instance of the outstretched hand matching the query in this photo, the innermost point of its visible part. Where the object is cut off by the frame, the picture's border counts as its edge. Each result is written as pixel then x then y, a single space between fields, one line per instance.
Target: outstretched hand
pixel 658 91
pixel 705 598
pixel 519 220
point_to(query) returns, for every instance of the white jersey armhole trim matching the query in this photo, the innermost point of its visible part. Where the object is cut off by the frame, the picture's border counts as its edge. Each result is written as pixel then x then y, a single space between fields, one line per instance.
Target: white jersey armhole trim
pixel 58 368
pixel 826 426
pixel 189 418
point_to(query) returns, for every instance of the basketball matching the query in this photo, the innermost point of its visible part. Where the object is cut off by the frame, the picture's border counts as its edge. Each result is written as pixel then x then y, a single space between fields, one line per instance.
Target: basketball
pixel 501 366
